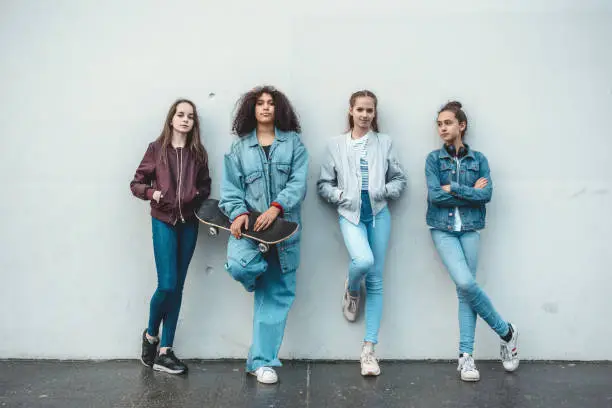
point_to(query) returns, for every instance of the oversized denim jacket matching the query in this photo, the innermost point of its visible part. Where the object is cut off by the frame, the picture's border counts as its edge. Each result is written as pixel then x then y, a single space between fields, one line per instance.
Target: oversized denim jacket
pixel 442 169
pixel 251 182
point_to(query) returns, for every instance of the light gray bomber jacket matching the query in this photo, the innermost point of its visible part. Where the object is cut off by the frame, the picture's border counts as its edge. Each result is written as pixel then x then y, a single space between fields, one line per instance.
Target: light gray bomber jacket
pixel 340 179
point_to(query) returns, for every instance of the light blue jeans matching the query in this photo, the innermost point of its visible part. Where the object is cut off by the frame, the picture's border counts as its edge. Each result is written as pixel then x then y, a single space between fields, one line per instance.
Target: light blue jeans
pixel 367 246
pixel 274 292
pixel 459 253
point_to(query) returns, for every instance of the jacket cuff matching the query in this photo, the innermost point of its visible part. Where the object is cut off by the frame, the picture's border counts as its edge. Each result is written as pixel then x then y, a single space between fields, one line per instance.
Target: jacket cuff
pixel 382 195
pixel 455 187
pixel 277 205
pixel 339 198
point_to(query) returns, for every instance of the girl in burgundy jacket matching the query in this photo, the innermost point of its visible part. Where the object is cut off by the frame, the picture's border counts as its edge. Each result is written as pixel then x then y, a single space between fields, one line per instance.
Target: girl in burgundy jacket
pixel 173 176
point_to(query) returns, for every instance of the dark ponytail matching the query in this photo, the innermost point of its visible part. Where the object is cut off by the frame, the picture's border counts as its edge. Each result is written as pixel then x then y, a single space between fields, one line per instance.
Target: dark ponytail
pixel 456 108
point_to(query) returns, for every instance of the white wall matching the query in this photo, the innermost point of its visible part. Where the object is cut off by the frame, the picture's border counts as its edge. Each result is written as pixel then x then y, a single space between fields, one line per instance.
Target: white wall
pixel 85 87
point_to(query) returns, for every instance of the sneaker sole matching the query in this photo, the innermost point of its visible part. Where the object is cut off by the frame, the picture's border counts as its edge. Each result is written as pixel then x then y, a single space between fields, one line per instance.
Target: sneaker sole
pixel 163 369
pixel 466 379
pixel 261 381
pixel 145 364
pixel 370 373
pixel 512 369
pixel 348 319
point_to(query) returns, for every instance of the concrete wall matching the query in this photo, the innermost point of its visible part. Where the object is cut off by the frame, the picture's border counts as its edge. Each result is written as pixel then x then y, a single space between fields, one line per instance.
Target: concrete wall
pixel 85 87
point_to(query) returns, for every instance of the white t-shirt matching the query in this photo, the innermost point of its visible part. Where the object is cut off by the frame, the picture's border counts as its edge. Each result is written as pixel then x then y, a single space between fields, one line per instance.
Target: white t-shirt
pixel 360 147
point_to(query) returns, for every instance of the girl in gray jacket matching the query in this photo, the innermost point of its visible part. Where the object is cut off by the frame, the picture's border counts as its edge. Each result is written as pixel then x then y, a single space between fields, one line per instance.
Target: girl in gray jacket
pixel 360 173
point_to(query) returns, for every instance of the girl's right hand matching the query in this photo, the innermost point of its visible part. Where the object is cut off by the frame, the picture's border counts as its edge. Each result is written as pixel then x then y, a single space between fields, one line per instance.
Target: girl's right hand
pixel 236 227
pixel 157 195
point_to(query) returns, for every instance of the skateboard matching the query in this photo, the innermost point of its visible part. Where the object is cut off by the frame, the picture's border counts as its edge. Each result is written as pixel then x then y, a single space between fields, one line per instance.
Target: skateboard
pixel 280 229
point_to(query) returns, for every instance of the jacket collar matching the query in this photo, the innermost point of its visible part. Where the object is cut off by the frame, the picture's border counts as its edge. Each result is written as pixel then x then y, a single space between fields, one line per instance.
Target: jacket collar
pixel 371 135
pixel 251 138
pixel 444 154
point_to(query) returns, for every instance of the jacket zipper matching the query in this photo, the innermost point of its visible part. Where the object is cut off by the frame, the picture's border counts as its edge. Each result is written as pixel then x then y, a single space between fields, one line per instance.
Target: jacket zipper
pixel 179 160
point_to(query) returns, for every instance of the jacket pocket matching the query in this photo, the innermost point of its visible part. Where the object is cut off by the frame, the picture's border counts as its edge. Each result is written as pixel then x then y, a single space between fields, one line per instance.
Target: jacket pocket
pixel 164 204
pixel 290 257
pixel 254 184
pixel 447 172
pixel 346 202
pixel 379 194
pixel 472 173
pixel 281 175
pixel 189 196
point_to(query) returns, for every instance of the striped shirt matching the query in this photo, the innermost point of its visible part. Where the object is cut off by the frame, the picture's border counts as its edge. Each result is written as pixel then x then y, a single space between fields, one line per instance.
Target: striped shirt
pixel 360 147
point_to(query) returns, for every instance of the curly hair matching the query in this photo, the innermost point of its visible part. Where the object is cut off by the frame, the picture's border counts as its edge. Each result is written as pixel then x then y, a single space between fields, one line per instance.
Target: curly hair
pixel 285 117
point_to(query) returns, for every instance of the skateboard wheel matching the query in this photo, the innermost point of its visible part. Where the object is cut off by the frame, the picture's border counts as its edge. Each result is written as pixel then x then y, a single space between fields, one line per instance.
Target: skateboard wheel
pixel 212 231
pixel 263 248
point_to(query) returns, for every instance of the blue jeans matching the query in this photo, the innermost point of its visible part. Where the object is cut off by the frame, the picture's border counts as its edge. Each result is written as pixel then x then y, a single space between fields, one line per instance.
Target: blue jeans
pixel 173 247
pixel 274 292
pixel 367 246
pixel 459 253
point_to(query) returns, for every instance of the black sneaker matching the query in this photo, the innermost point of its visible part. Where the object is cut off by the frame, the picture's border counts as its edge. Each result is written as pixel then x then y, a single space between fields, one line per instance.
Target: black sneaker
pixel 149 350
pixel 169 363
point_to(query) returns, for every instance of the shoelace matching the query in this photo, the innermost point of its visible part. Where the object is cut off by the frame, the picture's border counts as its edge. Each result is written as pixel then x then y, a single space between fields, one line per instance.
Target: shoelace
pixel 468 364
pixel 506 351
pixel 352 303
pixel 266 370
pixel 369 358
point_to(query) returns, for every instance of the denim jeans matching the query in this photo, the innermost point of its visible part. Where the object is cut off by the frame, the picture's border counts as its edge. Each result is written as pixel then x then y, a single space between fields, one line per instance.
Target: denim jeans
pixel 274 292
pixel 459 253
pixel 173 247
pixel 366 243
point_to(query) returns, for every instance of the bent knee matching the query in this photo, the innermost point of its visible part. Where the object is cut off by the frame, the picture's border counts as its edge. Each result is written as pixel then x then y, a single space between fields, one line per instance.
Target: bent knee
pixel 467 286
pixel 241 270
pixel 363 263
pixel 167 291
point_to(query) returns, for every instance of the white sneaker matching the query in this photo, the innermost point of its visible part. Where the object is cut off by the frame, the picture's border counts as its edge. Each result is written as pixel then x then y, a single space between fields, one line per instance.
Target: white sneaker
pixel 509 351
pixel 369 362
pixel 350 304
pixel 468 368
pixel 265 375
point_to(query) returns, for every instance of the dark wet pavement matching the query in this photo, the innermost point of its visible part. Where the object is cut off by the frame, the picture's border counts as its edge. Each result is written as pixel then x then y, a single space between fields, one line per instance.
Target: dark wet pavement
pixel 302 384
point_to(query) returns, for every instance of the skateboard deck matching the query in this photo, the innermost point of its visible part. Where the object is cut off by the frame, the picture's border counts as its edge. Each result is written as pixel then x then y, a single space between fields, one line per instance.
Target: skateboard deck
pixel 280 229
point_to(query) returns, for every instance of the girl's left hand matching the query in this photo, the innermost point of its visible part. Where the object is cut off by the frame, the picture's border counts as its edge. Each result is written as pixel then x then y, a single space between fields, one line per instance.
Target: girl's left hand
pixel 481 183
pixel 446 188
pixel 266 219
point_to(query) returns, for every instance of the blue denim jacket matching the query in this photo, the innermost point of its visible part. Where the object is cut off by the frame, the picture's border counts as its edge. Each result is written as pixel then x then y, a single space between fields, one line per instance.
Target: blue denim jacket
pixel 442 169
pixel 252 182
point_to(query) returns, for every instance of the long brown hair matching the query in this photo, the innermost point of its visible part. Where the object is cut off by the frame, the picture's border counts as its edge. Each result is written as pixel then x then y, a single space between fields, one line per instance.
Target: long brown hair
pixel 193 142
pixel 285 117
pixel 352 101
